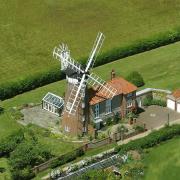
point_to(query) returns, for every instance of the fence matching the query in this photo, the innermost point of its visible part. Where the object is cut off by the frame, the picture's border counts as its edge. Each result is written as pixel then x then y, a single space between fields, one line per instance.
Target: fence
pixel 113 138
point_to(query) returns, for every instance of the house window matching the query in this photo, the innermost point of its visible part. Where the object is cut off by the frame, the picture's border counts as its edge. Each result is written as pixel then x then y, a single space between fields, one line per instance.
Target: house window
pixel 129 103
pixel 129 95
pixel 96 111
pixel 108 106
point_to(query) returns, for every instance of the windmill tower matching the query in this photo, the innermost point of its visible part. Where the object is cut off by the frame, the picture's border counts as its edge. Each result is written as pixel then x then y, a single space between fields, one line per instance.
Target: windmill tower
pixel 76 112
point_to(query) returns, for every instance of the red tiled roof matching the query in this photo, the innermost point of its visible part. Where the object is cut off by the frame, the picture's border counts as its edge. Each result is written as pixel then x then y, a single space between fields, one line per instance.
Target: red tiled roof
pixel 176 94
pixel 121 85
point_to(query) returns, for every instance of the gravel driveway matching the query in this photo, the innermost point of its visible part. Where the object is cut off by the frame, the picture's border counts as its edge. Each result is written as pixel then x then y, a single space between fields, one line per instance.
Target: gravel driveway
pixel 155 116
pixel 37 115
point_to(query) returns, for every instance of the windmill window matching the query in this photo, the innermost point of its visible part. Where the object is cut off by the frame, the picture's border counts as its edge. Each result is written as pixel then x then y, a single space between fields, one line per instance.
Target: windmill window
pixel 108 106
pixel 96 111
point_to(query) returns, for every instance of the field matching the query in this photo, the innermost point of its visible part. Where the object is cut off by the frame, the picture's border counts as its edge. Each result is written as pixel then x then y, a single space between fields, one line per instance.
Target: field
pixel 30 29
pixel 163 162
pixel 159 68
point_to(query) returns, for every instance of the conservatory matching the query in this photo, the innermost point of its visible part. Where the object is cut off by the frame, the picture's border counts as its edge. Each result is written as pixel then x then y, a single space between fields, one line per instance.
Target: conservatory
pixel 53 103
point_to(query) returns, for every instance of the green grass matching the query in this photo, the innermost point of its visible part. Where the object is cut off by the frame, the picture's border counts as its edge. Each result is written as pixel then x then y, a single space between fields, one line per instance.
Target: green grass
pixel 30 29
pixel 163 161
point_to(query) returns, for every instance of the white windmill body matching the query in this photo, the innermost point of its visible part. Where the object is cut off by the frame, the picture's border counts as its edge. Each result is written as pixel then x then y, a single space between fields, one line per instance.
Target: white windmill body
pixel 78 78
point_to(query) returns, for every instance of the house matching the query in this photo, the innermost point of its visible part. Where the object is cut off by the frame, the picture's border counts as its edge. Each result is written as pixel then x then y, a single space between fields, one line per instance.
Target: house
pixel 98 108
pixel 173 101
pixel 102 108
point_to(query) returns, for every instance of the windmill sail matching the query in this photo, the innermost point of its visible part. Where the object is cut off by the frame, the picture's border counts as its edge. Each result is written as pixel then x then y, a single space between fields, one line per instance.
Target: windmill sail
pixel 63 54
pixel 75 97
pixel 95 50
pixel 98 84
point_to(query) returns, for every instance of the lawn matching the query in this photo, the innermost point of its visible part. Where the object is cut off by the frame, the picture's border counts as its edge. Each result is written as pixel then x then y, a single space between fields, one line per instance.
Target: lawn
pixel 163 161
pixel 30 29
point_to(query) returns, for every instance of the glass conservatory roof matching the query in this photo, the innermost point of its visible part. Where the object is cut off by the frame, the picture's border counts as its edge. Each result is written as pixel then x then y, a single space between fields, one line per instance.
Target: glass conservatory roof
pixel 53 99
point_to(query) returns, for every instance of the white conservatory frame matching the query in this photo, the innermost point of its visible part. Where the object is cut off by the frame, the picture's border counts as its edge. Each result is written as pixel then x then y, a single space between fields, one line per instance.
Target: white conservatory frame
pixel 52 103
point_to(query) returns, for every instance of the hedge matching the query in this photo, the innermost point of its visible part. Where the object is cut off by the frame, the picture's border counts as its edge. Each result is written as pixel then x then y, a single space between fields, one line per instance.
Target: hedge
pixel 11 89
pixel 67 157
pixel 151 140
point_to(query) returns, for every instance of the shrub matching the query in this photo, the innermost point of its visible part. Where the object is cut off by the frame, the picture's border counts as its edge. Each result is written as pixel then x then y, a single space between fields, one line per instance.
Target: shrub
pixel 24 174
pixel 148 101
pixel 109 121
pixel 139 128
pixel 9 143
pixel 25 156
pixel 117 118
pixel 135 78
pixel 151 140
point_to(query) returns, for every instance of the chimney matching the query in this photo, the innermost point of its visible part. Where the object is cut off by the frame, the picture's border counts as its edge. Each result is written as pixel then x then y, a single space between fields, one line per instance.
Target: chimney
pixel 113 74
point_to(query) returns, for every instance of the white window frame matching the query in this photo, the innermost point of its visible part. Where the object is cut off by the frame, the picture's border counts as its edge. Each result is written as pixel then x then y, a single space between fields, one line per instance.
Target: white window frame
pixel 129 103
pixel 108 106
pixel 66 128
pixel 96 111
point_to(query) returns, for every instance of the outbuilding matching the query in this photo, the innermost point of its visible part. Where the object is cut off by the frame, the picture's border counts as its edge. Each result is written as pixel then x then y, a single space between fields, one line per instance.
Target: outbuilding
pixel 53 103
pixel 173 101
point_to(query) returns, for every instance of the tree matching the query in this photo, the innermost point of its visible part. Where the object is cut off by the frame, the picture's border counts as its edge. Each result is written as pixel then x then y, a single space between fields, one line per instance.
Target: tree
pixel 27 155
pixel 136 78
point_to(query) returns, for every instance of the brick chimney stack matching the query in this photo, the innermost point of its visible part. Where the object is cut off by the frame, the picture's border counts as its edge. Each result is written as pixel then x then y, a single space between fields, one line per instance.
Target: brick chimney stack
pixel 113 74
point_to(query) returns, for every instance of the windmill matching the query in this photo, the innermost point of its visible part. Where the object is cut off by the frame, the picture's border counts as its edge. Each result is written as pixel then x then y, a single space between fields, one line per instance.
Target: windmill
pixel 79 77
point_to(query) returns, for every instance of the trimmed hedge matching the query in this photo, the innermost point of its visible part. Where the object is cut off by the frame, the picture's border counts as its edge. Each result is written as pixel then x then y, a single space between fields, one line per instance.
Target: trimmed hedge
pixel 11 89
pixel 67 158
pixel 151 140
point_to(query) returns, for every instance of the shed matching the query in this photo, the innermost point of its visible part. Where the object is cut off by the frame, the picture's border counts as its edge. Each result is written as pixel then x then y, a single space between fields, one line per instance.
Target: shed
pixel 173 101
pixel 53 103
